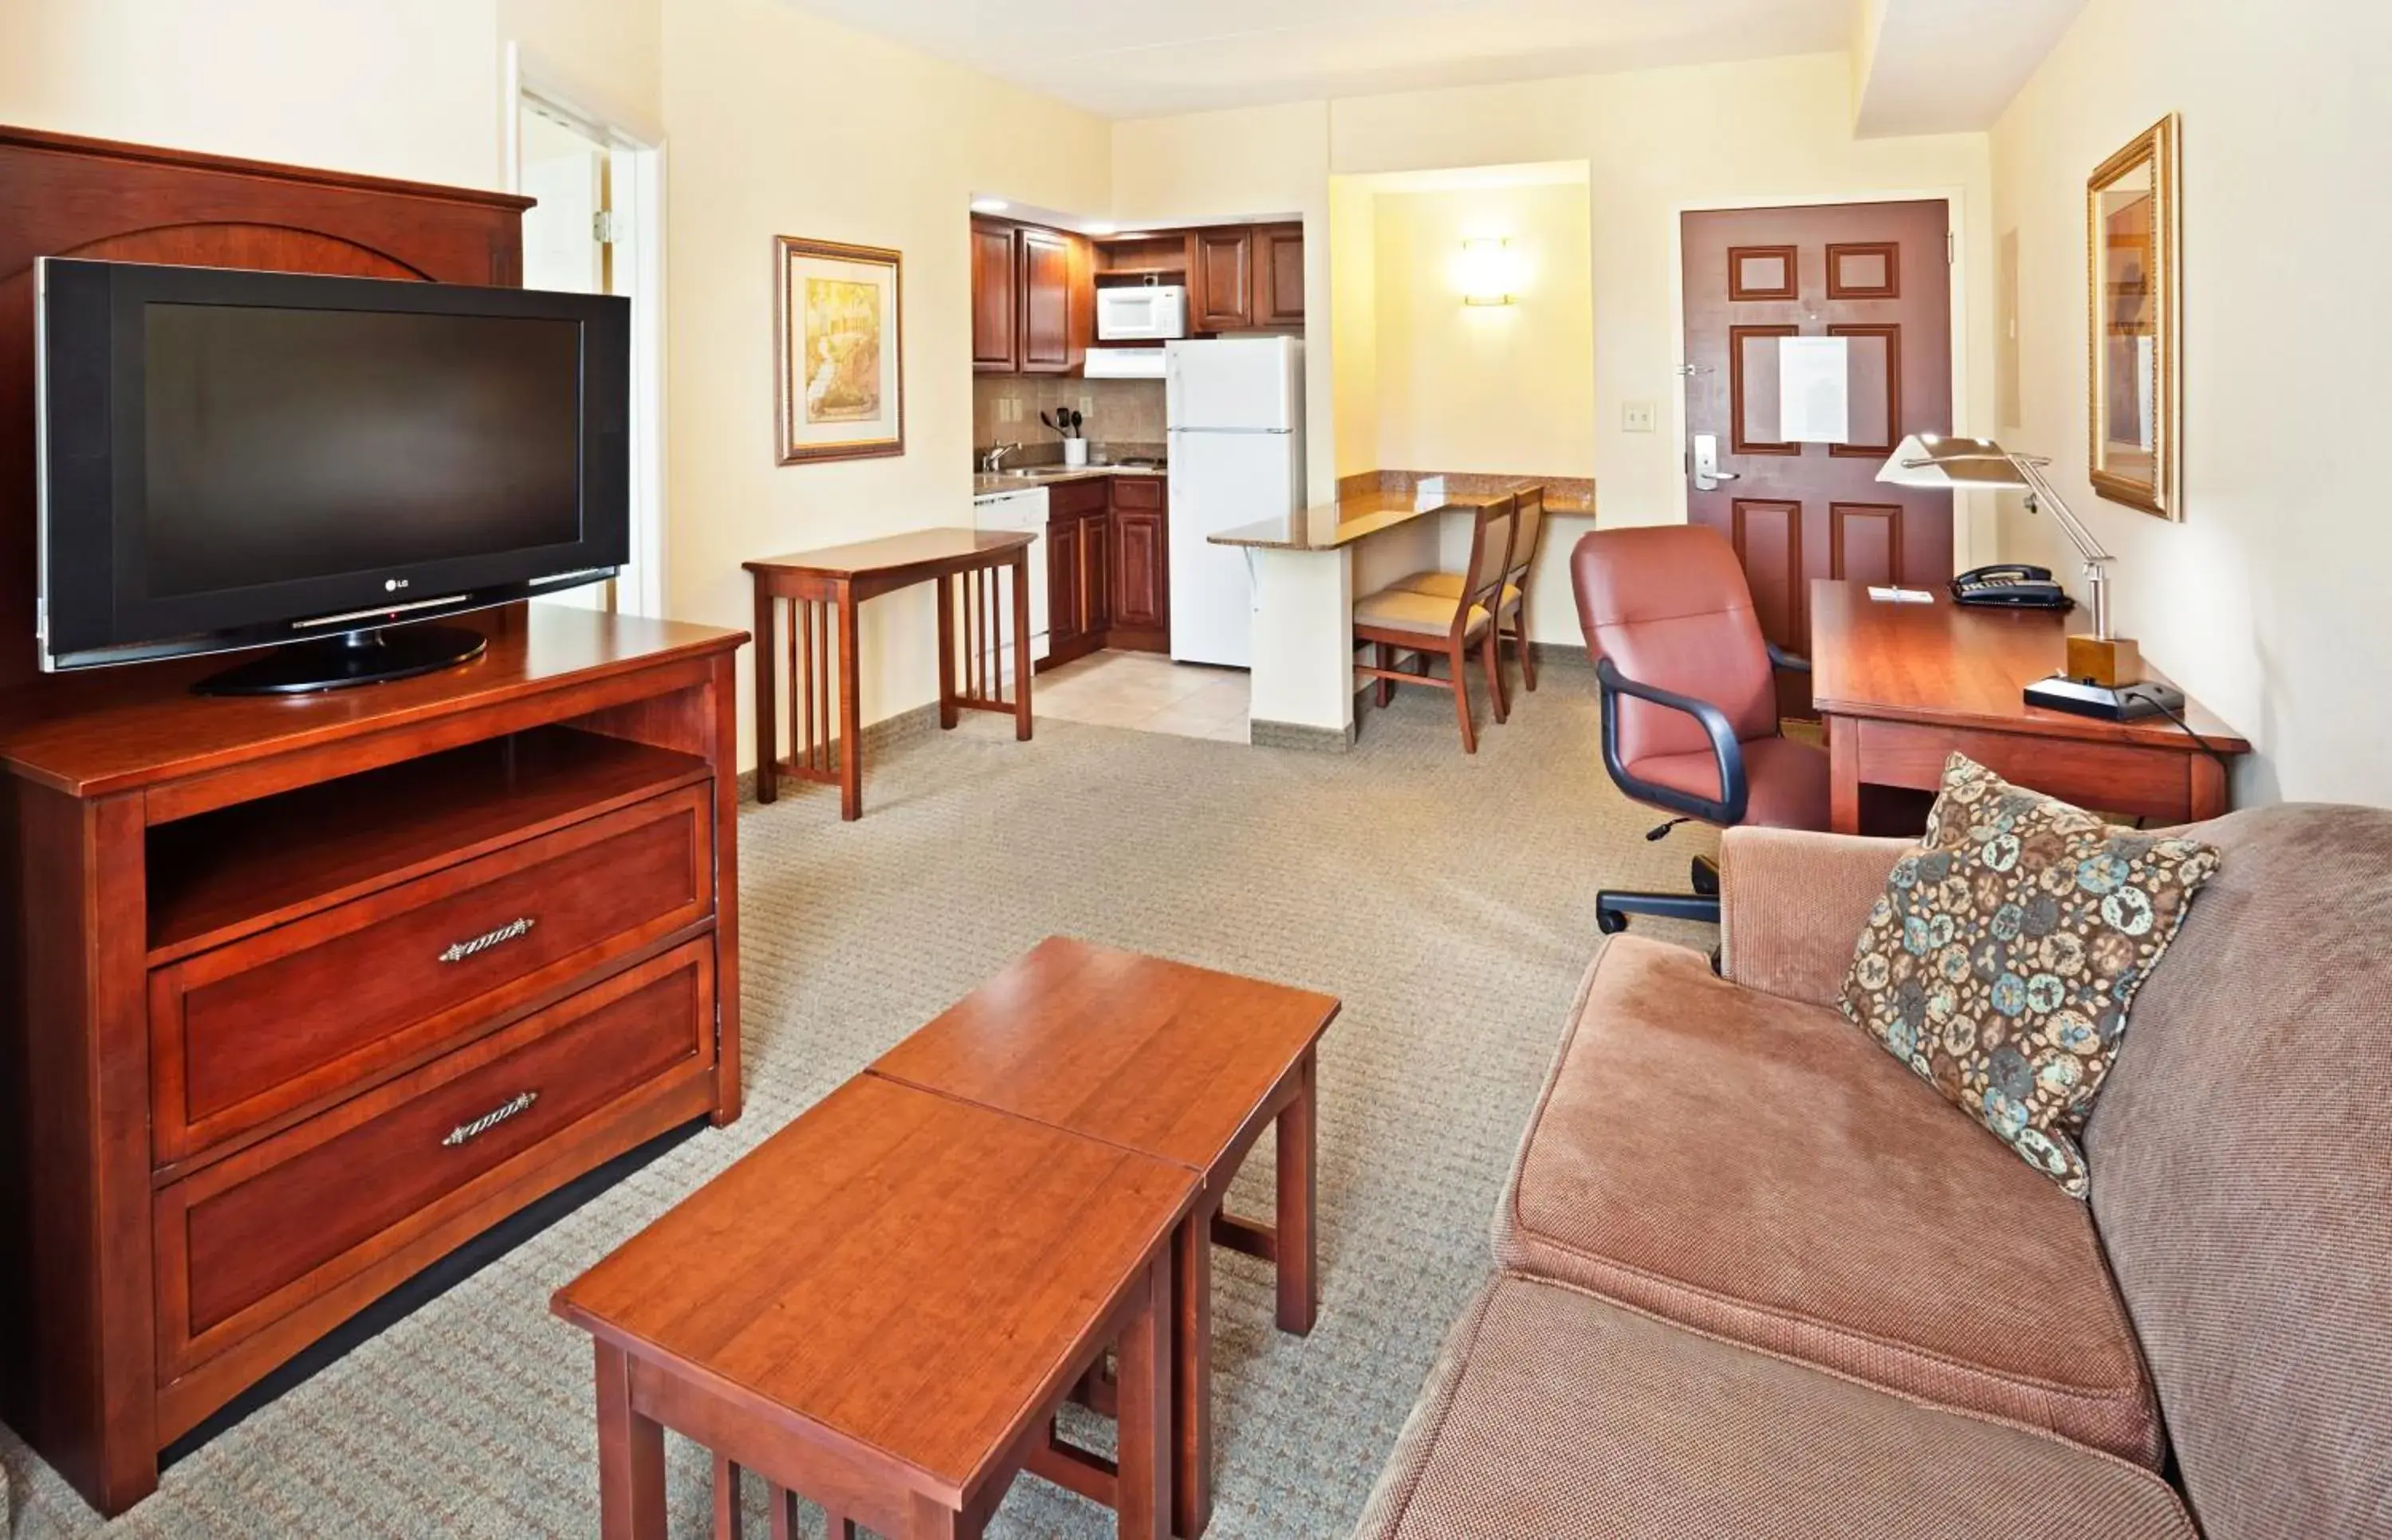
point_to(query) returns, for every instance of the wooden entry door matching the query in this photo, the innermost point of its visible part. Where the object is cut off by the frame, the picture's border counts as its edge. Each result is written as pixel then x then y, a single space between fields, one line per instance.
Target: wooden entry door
pixel 1880 276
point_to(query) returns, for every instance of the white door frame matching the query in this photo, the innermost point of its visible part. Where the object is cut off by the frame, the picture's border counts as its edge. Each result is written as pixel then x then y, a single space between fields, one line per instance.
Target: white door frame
pixel 1968 504
pixel 637 165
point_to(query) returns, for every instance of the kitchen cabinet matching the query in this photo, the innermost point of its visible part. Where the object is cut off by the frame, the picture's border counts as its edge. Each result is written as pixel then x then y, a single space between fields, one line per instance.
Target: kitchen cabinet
pixel 1107 581
pixel 1278 275
pixel 994 299
pixel 1033 299
pixel 1141 592
pixel 1224 297
pixel 1097 573
pixel 1063 590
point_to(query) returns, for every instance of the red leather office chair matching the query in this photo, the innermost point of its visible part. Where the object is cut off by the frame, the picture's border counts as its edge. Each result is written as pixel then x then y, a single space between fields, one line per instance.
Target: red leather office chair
pixel 1689 703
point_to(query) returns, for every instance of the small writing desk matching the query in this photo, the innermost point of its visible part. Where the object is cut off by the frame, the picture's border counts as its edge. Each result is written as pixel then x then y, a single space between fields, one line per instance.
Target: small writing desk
pixel 824 587
pixel 1902 686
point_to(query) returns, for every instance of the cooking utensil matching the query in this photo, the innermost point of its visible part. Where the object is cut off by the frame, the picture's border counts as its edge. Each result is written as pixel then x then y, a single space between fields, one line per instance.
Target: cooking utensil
pixel 1077 420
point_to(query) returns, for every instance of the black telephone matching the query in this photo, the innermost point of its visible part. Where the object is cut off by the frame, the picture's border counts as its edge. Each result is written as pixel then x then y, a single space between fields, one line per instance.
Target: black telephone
pixel 2010 586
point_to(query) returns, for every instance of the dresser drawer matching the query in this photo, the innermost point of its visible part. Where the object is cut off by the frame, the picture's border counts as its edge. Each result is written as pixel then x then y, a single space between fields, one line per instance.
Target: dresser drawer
pixel 251 1032
pixel 245 1241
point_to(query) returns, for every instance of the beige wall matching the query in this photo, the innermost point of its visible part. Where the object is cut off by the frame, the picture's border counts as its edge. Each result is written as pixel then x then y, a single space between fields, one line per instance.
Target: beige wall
pixel 784 124
pixel 1656 143
pixel 1353 362
pixel 604 55
pixel 408 91
pixel 1487 388
pixel 2268 601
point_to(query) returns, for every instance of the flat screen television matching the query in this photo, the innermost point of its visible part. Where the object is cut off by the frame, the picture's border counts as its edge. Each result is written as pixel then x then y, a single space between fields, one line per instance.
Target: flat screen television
pixel 232 459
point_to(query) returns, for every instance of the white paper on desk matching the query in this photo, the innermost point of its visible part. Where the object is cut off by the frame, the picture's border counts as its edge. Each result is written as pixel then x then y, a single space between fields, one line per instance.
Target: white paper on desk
pixel 1429 492
pixel 1813 391
pixel 1900 596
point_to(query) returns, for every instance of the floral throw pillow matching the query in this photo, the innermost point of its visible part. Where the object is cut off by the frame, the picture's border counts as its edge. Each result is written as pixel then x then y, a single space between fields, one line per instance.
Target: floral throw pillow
pixel 2007 950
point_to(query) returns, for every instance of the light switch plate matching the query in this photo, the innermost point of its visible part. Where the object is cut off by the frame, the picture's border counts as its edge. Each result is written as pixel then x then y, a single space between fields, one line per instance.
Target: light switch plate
pixel 1636 416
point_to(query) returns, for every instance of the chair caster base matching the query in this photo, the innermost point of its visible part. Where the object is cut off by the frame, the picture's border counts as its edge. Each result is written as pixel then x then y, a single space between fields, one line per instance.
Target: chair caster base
pixel 1612 909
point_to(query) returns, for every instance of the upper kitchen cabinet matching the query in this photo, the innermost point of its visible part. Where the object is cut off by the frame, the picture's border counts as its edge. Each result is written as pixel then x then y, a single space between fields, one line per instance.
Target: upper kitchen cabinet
pixel 1278 275
pixel 1224 297
pixel 1033 299
pixel 995 346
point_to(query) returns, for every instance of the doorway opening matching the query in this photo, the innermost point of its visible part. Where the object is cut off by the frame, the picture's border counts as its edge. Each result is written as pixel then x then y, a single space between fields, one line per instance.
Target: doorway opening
pixel 596 228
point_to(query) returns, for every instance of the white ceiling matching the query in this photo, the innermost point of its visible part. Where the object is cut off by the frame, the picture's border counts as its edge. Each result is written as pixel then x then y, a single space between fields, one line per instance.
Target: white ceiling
pixel 1948 66
pixel 1135 58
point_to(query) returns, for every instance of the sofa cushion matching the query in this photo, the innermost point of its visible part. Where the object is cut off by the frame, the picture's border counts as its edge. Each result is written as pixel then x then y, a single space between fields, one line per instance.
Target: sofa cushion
pixel 2242 1161
pixel 1753 1166
pixel 1555 1415
pixel 2004 955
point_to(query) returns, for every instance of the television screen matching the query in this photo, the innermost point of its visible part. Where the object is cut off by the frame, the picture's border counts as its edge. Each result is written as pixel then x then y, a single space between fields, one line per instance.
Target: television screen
pixel 236 458
pixel 283 444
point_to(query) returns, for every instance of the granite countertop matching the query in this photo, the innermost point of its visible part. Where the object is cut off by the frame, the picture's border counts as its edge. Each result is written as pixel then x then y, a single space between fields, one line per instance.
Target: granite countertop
pixel 1330 525
pixel 986 485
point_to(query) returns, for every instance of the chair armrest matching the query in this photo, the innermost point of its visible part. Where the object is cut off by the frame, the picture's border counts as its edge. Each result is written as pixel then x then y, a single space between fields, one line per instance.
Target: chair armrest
pixel 1780 659
pixel 1792 905
pixel 1728 808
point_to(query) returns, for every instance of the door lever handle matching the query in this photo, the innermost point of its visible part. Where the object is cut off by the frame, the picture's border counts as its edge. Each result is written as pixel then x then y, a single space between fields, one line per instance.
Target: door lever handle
pixel 1707 471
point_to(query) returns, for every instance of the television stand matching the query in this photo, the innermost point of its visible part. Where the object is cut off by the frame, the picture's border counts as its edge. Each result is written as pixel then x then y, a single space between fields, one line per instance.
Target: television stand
pixel 350 658
pixel 298 994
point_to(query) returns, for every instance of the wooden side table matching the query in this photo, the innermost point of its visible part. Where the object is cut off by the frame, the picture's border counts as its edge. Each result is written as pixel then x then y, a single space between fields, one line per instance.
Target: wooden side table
pixel 1180 1063
pixel 880 1307
pixel 822 589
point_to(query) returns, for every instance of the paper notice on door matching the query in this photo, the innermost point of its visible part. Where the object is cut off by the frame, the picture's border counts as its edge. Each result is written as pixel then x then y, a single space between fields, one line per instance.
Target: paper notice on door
pixel 1813 391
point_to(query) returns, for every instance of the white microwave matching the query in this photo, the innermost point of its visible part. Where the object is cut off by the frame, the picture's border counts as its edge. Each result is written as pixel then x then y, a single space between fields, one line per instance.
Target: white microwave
pixel 1153 312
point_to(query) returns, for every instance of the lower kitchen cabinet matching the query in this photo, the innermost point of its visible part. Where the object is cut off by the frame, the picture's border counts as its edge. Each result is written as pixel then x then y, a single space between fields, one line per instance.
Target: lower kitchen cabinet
pixel 1141 595
pixel 1107 581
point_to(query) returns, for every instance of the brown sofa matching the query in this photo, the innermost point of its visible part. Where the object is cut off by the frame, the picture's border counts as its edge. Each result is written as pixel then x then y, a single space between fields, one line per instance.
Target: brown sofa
pixel 1755 1279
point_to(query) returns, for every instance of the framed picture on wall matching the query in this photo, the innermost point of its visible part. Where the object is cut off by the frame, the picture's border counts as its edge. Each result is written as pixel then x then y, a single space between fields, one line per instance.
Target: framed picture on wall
pixel 2135 401
pixel 839 351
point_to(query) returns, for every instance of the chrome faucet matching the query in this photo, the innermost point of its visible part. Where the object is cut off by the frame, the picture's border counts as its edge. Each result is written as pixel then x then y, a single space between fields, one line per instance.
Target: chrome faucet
pixel 994 461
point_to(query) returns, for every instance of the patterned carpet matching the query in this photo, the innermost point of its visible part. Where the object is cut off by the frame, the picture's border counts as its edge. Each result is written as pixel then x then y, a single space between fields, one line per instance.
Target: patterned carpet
pixel 1448 899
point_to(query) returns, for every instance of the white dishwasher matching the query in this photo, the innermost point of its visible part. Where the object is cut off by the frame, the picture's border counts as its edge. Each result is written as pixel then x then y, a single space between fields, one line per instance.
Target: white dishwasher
pixel 1024 510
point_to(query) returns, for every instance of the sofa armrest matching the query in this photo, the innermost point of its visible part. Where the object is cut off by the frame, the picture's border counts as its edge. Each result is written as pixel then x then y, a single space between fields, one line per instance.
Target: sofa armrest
pixel 1792 905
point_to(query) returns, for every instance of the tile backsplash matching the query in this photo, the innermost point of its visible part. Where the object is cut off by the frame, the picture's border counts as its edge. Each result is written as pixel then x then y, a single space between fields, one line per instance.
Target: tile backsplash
pixel 1119 411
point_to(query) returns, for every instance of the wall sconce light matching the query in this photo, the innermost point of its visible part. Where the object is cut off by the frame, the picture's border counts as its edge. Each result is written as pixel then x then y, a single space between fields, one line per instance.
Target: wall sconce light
pixel 1490 272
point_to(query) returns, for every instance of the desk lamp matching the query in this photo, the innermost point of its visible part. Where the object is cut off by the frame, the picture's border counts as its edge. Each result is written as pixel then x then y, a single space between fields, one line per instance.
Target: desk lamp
pixel 2104 675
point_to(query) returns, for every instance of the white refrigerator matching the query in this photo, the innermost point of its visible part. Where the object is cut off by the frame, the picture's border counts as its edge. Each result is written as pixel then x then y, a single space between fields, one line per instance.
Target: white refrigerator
pixel 1235 412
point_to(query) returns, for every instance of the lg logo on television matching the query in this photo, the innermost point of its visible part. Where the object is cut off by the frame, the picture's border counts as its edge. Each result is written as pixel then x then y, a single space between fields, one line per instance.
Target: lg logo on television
pixel 392 584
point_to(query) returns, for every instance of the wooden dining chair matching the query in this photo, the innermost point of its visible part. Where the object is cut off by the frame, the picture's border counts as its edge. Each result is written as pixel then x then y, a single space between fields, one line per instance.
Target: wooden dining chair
pixel 1512 613
pixel 1399 619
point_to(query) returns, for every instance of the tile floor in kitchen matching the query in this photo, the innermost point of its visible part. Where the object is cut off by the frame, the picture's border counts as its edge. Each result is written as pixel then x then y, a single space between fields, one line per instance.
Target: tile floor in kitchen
pixel 1148 691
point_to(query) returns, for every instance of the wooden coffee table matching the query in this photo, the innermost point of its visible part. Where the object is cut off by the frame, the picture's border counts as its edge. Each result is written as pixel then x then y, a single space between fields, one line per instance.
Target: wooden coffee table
pixel 879 1308
pixel 1179 1062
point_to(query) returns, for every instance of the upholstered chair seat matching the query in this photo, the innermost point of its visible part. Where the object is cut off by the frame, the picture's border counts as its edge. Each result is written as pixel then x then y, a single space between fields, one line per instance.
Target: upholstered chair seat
pixel 1430 613
pixel 1449 585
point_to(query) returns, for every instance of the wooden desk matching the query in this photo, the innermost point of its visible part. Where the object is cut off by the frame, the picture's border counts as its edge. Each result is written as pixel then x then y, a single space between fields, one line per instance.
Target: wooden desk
pixel 1902 686
pixel 879 1308
pixel 822 589
pixel 1179 1062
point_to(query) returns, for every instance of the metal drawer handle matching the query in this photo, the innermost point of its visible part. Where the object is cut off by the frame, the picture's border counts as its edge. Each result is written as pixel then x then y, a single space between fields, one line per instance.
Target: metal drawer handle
pixel 484 942
pixel 466 1132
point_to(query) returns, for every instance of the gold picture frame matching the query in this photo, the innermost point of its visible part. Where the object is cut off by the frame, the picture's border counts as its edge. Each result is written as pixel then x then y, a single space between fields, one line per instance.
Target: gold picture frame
pixel 2134 324
pixel 839 351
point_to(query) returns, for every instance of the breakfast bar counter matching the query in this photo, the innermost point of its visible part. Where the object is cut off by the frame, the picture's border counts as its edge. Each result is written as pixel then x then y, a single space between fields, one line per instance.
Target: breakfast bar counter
pixel 1308 567
pixel 1331 526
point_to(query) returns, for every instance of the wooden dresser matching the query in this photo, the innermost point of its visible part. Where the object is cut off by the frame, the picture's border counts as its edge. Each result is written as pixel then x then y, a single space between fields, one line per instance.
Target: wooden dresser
pixel 306 992
pixel 301 994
